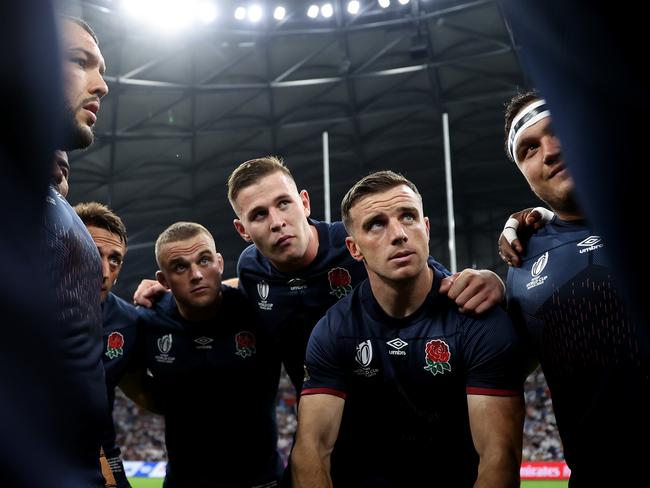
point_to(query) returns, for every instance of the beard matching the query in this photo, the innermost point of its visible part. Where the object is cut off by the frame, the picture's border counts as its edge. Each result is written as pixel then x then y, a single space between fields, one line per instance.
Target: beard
pixel 75 135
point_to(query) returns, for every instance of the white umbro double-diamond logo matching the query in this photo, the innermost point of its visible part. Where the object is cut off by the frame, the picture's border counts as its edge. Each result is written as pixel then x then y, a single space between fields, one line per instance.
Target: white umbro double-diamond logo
pixel 397 344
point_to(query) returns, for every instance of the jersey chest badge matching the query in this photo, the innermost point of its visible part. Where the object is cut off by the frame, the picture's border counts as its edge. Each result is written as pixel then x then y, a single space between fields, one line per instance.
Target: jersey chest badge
pixel 263 292
pixel 245 344
pixel 437 356
pixel 363 357
pixel 340 282
pixel 591 243
pixel 115 345
pixel 164 346
pixel 536 271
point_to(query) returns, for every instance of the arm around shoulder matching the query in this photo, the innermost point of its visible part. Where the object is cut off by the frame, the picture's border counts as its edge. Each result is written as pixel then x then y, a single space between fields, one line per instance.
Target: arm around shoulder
pixel 319 419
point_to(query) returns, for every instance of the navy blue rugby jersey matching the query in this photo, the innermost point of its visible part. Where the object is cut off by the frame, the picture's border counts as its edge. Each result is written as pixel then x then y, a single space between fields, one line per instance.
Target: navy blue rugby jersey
pixel 120 320
pixel 74 266
pixel 215 382
pixel 578 328
pixel 290 304
pixel 405 382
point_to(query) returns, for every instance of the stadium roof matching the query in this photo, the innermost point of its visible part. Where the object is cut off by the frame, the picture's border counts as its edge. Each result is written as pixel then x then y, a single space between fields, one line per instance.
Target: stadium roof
pixel 186 106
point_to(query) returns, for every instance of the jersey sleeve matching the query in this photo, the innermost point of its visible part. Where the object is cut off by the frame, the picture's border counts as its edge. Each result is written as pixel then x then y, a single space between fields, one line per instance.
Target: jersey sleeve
pixel 323 371
pixel 493 355
pixel 435 264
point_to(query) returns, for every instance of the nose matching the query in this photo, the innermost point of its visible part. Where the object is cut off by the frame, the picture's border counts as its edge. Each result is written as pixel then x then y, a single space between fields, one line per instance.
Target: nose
pixel 551 149
pixel 276 219
pixel 195 274
pixel 397 233
pixel 99 88
pixel 106 269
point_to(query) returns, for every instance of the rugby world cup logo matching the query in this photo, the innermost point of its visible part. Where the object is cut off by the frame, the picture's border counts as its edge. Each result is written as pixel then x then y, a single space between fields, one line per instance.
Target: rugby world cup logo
pixel 539 265
pixel 364 353
pixel 263 290
pixel 165 343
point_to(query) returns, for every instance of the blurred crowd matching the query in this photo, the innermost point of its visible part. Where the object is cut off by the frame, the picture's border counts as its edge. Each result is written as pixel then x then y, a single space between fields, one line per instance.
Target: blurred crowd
pixel 141 433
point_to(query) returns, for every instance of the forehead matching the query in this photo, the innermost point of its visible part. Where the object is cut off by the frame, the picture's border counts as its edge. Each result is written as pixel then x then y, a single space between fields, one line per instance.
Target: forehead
pixel 265 191
pixel 104 237
pixel 187 248
pixel 73 36
pixel 387 201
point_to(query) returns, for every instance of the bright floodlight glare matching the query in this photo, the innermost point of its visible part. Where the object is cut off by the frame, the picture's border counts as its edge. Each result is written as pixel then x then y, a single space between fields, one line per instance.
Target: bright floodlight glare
pixel 240 13
pixel 353 7
pixel 137 8
pixel 312 11
pixel 327 10
pixel 206 12
pixel 170 15
pixel 403 2
pixel 384 3
pixel 255 13
pixel 279 13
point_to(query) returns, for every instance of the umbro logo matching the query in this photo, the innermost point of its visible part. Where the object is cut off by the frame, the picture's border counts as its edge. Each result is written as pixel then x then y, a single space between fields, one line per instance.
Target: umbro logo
pixel 591 243
pixel 203 342
pixel 397 345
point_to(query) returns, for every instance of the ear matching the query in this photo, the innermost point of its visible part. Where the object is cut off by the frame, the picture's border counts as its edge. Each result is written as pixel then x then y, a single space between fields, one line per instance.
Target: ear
pixel 428 226
pixel 239 227
pixel 160 276
pixel 219 262
pixel 306 204
pixel 355 252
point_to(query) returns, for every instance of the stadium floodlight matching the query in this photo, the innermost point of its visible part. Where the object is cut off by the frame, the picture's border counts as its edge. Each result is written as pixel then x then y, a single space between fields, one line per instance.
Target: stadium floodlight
pixel 255 13
pixel 384 3
pixel 206 12
pixel 353 7
pixel 327 10
pixel 240 13
pixel 403 2
pixel 312 11
pixel 279 13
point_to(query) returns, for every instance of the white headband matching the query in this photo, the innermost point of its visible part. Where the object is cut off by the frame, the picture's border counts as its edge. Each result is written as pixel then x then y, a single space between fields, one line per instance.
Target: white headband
pixel 530 115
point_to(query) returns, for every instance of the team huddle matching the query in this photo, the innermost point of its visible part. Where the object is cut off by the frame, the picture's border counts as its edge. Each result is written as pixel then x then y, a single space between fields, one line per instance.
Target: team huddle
pixel 407 375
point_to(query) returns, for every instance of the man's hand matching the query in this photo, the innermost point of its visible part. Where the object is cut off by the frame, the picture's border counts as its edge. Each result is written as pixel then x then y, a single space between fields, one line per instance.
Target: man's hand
pixel 517 231
pixel 474 291
pixel 148 293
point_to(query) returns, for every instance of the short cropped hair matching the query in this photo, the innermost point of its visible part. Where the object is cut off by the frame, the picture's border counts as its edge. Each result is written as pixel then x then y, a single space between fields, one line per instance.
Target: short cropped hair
pixel 97 215
pixel 250 172
pixel 180 231
pixel 369 185
pixel 82 23
pixel 513 107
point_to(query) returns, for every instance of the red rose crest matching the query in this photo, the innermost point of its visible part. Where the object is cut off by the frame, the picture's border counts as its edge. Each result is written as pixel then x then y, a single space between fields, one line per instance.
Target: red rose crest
pixel 245 344
pixel 340 282
pixel 437 355
pixel 114 345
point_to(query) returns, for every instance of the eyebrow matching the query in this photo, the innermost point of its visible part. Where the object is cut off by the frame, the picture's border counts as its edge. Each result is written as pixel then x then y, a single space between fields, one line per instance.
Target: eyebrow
pixel 93 57
pixel 284 196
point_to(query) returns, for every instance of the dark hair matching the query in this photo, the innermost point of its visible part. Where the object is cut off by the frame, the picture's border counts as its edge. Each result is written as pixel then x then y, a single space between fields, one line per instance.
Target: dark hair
pixel 83 24
pixel 179 231
pixel 98 215
pixel 250 172
pixel 369 185
pixel 513 107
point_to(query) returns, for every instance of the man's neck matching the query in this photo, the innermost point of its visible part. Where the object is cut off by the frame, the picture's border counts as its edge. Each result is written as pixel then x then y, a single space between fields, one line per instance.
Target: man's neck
pixel 200 314
pixel 399 299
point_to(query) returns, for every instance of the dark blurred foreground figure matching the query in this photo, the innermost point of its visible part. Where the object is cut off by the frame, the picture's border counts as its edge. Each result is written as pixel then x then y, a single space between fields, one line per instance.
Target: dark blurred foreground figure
pixel 564 296
pixel 30 368
pixel 51 386
pixel 585 58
